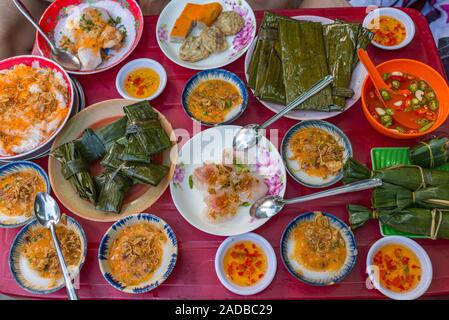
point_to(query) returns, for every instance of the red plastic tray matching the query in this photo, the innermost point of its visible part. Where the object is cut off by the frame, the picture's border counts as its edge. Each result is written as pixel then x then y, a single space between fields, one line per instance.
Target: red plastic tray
pixel 194 275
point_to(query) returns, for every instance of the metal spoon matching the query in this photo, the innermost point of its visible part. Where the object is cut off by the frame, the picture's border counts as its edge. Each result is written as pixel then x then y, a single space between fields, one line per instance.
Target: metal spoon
pixel 248 136
pixel 48 214
pixel 268 206
pixel 64 58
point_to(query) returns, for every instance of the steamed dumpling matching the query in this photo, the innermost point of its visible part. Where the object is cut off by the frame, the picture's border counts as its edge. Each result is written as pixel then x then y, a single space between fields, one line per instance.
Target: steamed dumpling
pixel 89 58
pixel 87 33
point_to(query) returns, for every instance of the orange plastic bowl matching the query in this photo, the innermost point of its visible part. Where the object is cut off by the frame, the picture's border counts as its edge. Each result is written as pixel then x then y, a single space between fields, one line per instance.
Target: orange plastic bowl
pixel 421 70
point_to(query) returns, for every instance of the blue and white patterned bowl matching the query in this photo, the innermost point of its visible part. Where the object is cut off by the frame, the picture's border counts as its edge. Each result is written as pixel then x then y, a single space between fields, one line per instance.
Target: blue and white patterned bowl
pixel 27 278
pixel 18 221
pixel 216 74
pixel 169 257
pixel 312 277
pixel 293 167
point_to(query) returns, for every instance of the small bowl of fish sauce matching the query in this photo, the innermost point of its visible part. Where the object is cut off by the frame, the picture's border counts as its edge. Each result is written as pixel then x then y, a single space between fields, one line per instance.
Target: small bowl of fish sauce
pixel 245 264
pixel 392 28
pixel 425 106
pixel 399 268
pixel 141 79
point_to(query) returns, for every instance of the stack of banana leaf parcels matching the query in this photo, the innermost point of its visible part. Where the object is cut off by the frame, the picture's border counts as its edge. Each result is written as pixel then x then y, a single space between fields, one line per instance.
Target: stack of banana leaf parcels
pixel 291 55
pixel 125 149
pixel 413 199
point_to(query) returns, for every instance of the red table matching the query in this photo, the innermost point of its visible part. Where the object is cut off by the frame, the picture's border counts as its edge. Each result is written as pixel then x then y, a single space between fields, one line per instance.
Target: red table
pixel 194 275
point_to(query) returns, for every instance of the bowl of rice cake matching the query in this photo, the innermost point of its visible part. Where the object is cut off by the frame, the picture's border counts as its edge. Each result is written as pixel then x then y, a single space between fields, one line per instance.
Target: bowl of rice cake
pixel 36 99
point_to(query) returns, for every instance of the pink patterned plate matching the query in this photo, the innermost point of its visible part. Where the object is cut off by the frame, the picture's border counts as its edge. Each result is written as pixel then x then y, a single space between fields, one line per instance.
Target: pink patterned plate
pixel 212 146
pixel 237 45
pixel 131 19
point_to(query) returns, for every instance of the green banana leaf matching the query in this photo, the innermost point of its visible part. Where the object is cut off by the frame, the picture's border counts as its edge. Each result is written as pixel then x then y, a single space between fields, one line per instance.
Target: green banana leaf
pixel 146 173
pixel 76 170
pixel 304 62
pixel 114 188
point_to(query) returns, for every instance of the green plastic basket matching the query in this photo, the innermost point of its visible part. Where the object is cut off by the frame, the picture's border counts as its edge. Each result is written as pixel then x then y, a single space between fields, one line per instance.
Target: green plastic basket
pixel 387 157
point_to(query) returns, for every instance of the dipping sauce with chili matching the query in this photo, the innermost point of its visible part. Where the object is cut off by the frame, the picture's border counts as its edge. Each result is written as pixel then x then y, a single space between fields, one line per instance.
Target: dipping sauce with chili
pixel 245 263
pixel 399 268
pixel 142 83
pixel 416 112
pixel 387 30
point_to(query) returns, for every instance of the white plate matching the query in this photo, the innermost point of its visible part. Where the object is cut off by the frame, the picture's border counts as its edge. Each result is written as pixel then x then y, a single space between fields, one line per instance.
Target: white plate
pixel 237 44
pixel 358 75
pixel 271 264
pixel 208 145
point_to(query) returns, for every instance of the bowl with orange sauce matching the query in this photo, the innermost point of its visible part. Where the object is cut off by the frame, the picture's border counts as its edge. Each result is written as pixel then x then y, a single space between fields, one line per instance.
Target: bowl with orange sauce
pixel 138 253
pixel 399 268
pixel 214 97
pixel 392 28
pixel 141 79
pixel 318 248
pixel 245 264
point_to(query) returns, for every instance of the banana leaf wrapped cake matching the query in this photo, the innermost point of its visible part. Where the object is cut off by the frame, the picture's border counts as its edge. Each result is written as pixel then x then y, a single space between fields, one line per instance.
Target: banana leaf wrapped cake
pixel 125 149
pixel 432 223
pixel 304 62
pixel 389 196
pixel 340 68
pixel 290 55
pixel 76 169
pixel 140 172
pixel 113 187
pixel 411 177
pixel 265 69
pixel 411 199
pixel 430 154
pixel 93 145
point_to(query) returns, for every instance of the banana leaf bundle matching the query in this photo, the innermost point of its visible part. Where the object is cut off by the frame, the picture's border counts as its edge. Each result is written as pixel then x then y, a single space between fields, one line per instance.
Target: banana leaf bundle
pixel 265 68
pixel 290 55
pixel 271 87
pixel 364 37
pixel 76 170
pixel 304 62
pixel 433 223
pixel 394 197
pixel 133 151
pixel 147 173
pixel 340 56
pixel 125 147
pixel 406 176
pixel 145 128
pixel 93 145
pixel 430 154
pixel 113 189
